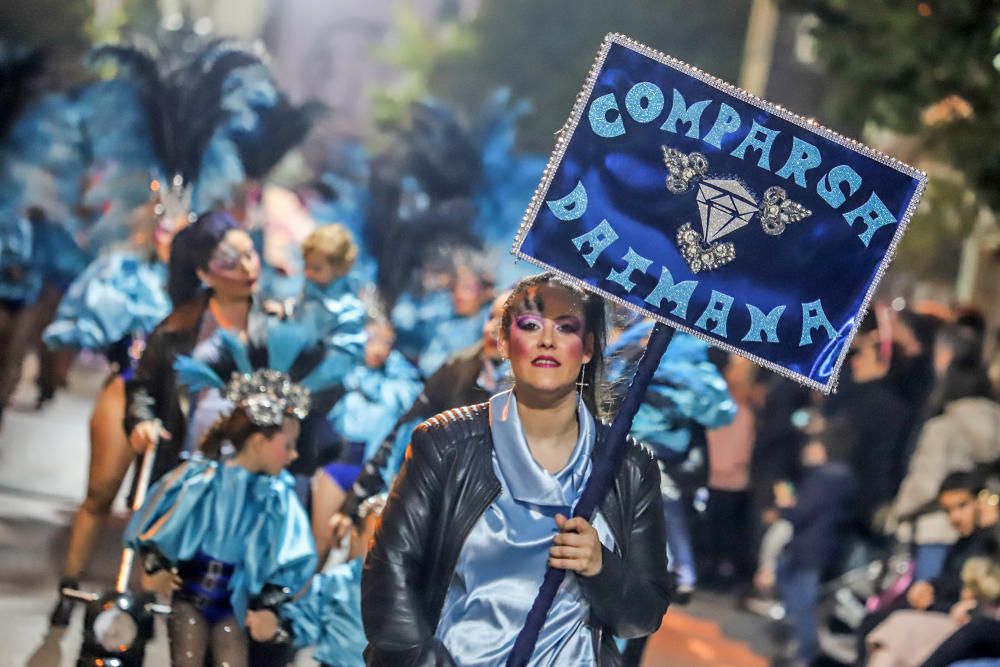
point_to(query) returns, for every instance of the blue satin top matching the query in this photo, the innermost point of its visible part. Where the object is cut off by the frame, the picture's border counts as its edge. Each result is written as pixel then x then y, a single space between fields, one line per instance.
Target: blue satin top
pixel 252 521
pixel 503 560
pixel 329 616
pixel 117 295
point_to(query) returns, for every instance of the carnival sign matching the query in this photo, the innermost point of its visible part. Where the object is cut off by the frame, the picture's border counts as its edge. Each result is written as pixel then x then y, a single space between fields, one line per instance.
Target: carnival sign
pixel 683 197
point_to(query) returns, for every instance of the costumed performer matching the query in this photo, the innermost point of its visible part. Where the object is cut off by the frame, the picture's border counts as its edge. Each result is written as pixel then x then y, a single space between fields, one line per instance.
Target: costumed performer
pixel 479 510
pixel 228 538
pixel 377 394
pixel 110 308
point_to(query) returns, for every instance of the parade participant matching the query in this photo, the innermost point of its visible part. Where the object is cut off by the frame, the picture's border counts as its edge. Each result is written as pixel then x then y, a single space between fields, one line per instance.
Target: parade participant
pixel 329 304
pixel 328 616
pixel 109 308
pixel 377 394
pixel 480 505
pixel 472 286
pixel 470 376
pixel 210 252
pixel 228 539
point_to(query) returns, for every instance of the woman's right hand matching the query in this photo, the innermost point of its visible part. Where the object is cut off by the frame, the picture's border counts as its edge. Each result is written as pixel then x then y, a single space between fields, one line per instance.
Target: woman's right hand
pixel 164 582
pixel 340 525
pixel 146 434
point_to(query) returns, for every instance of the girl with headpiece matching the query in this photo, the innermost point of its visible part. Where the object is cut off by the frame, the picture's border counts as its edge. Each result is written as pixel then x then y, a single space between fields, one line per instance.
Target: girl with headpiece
pixel 479 510
pixel 228 539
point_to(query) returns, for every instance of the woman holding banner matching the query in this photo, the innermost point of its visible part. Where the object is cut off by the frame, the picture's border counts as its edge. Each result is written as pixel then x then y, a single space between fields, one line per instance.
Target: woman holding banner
pixel 479 510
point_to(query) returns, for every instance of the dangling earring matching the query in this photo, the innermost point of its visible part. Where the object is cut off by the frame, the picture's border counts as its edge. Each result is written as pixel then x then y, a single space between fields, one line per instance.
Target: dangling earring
pixel 579 387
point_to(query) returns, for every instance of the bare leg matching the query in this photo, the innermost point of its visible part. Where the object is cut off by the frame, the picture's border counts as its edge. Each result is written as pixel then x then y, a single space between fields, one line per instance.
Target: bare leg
pixel 189 635
pixel 17 343
pixel 110 458
pixel 229 644
pixel 47 380
pixel 327 499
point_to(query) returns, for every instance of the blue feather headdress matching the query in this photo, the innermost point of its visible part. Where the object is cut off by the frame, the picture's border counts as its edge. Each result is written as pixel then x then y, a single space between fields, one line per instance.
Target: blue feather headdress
pixel 272 375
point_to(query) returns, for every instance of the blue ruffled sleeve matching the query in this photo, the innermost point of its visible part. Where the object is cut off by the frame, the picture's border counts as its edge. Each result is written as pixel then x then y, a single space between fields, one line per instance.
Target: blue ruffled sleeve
pixel 329 616
pixel 117 295
pixel 685 387
pixel 168 519
pixel 279 550
pixel 375 400
pixel 337 316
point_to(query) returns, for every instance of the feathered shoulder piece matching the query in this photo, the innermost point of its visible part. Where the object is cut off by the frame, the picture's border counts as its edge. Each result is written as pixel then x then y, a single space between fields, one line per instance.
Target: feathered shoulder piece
pixel 271 375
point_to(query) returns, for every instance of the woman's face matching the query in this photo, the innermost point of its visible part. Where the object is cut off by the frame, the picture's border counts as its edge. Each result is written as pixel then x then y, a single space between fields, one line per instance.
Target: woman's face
pixel 274 454
pixel 234 268
pixel 381 338
pixel 547 342
pixel 468 294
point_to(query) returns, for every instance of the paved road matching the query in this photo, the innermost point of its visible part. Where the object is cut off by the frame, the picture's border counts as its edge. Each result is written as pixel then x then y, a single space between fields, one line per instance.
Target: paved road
pixel 43 458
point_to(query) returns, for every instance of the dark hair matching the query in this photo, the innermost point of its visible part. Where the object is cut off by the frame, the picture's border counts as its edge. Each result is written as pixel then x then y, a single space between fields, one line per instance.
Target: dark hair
pixel 235 428
pixel 594 323
pixel 965 377
pixel 191 251
pixel 961 481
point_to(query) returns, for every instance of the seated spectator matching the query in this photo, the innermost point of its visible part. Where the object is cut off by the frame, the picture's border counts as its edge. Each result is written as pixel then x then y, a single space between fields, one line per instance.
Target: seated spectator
pixel 909 637
pixel 961 436
pixel 957 498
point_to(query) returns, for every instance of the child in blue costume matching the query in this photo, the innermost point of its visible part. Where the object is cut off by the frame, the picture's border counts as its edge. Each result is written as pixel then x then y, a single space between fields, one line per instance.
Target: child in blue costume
pixel 229 540
pixel 329 304
pixel 329 615
pixel 378 393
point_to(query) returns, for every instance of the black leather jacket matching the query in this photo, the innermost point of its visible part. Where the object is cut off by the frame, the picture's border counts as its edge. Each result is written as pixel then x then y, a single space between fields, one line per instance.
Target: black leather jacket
pixel 444 486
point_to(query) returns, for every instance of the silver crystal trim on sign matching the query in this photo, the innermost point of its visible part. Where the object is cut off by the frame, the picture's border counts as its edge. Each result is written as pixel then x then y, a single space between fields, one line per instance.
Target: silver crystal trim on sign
pixel 268 396
pixel 725 205
pixel 683 169
pixel 578 111
pixel 777 211
pixel 702 256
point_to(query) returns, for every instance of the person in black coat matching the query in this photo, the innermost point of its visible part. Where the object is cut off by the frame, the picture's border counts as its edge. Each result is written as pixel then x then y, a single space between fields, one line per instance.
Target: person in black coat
pixel 455 518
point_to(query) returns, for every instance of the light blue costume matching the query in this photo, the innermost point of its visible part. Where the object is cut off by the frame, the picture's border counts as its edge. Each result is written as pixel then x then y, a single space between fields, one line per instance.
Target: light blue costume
pixel 335 315
pixel 118 295
pixel 375 399
pixel 415 318
pixel 449 336
pixel 20 283
pixel 223 512
pixel 685 387
pixel 328 617
pixel 503 561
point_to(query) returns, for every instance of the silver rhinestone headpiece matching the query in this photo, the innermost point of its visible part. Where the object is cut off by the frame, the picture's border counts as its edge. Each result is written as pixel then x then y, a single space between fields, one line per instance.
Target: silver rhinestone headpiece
pixel 268 396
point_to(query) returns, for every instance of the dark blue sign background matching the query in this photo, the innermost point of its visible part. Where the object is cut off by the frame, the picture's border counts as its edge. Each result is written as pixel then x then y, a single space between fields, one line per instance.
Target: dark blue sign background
pixel 821 258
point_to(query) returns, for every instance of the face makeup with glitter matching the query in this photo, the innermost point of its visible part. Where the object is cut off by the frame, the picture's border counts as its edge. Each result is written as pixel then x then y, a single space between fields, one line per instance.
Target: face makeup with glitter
pixel 235 265
pixel 547 342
